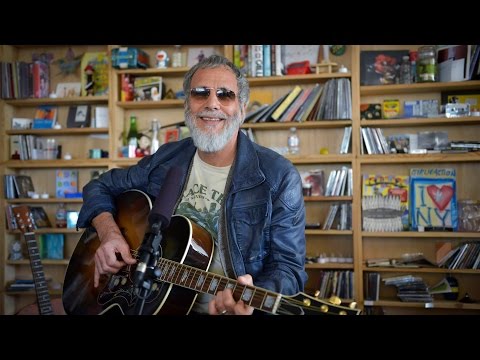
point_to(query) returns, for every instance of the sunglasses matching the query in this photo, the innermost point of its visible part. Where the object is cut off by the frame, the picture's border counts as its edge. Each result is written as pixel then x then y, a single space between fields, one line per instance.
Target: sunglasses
pixel 225 96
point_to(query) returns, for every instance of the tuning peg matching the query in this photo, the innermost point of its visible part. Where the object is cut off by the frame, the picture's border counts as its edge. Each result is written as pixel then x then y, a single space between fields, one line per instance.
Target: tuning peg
pixel 352 305
pixel 342 312
pixel 335 300
pixel 307 302
pixel 317 294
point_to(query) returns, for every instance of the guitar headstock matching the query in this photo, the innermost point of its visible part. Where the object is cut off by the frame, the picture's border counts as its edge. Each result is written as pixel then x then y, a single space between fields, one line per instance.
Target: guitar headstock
pixel 303 304
pixel 24 219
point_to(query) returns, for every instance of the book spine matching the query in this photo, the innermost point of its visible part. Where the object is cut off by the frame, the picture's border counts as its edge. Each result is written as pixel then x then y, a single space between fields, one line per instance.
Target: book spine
pixel 267 61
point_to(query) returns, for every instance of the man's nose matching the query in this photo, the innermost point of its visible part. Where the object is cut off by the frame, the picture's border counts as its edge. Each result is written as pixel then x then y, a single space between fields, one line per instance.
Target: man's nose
pixel 212 101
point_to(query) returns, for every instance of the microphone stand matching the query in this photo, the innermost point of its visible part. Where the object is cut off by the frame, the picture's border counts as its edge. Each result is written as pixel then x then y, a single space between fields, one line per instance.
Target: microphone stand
pixel 149 255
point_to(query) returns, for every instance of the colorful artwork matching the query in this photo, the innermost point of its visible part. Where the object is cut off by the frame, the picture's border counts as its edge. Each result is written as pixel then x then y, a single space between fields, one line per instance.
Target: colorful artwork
pixel 388 185
pixel 433 199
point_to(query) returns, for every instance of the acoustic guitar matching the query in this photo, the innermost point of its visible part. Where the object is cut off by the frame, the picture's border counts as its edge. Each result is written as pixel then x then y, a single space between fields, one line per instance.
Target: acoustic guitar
pixel 44 305
pixel 187 249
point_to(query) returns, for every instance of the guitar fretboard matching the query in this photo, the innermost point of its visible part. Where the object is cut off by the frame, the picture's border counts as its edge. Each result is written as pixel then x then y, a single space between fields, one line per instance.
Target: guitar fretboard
pixel 209 283
pixel 41 288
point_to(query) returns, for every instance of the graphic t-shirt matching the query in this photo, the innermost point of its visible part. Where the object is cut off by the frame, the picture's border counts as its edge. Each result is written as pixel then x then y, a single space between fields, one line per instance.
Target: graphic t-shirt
pixel 201 202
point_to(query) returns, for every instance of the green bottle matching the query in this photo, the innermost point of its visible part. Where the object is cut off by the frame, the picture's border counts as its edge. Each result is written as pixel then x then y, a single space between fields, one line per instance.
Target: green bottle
pixel 132 141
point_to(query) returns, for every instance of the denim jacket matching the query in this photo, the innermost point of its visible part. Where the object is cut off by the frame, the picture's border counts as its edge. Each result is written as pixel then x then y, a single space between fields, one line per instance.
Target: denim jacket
pixel 262 222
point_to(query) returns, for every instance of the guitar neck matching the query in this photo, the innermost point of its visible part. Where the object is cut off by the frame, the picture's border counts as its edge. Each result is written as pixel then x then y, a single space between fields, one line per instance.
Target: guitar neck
pixel 41 288
pixel 210 283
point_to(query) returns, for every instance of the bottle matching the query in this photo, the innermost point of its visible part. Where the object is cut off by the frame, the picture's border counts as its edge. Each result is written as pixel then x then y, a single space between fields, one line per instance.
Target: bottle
pixel 178 57
pixel 155 143
pixel 132 140
pixel 293 142
pixel 413 66
pixel 426 64
pixel 405 76
pixel 61 216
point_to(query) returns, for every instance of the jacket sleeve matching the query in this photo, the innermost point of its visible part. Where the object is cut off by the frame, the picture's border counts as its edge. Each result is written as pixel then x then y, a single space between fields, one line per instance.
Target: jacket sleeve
pixel 99 194
pixel 284 268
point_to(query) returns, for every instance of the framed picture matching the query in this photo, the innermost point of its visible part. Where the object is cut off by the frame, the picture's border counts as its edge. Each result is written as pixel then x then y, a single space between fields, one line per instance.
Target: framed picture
pixel 78 116
pixel 195 55
pixel 21 123
pixel 68 89
pixel 380 67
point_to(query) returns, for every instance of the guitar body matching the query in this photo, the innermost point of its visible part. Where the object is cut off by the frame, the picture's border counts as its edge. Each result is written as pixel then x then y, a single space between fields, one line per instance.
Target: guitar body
pixel 33 309
pixel 183 242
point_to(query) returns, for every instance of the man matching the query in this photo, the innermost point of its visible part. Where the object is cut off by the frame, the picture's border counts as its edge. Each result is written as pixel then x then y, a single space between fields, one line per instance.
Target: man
pixel 248 197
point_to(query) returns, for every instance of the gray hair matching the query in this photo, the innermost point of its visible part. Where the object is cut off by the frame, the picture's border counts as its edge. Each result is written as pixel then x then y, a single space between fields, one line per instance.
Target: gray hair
pixel 213 62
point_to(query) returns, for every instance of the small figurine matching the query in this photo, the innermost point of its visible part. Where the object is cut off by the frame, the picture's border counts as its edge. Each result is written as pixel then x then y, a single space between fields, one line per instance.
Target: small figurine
pixel 16 250
pixel 162 59
pixel 89 70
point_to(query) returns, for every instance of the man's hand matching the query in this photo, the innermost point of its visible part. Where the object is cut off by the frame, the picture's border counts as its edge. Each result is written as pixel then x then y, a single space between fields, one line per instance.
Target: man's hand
pixel 225 304
pixel 111 244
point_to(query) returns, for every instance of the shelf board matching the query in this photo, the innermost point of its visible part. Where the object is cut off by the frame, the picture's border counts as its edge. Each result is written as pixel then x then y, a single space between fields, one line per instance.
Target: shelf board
pixel 430 305
pixel 299 125
pixel 473 156
pixel 415 122
pixel 126 162
pixel 63 131
pixel 171 71
pixel 59 101
pixel 44 262
pixel 330 266
pixel 37 164
pixel 419 88
pixel 162 104
pixel 46 201
pixel 431 270
pixel 327 198
pixel 328 232
pixel 294 79
pixel 426 234
pixel 320 159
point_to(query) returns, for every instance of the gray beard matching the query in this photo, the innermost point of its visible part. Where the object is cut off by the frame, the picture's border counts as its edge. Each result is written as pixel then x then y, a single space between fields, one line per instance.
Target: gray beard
pixel 212 142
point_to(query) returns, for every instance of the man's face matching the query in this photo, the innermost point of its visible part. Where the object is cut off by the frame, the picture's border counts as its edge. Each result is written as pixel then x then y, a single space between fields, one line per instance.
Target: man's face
pixel 213 119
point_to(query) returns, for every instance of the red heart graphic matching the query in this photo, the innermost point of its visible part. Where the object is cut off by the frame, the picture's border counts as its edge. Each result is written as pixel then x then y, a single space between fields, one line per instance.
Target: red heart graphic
pixel 440 196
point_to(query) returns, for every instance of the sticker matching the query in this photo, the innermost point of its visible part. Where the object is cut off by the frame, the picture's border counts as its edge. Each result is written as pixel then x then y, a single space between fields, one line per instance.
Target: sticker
pixel 337 50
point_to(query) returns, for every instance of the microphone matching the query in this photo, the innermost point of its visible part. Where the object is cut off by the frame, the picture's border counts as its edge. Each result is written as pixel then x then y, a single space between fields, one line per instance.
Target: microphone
pixel 163 207
pixel 159 220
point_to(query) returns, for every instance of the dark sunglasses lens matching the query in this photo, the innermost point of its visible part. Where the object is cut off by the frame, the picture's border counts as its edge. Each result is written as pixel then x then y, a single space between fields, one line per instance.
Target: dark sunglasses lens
pixel 225 95
pixel 200 93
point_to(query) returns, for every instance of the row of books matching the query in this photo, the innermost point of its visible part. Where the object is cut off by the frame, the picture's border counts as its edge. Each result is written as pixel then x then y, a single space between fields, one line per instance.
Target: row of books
pixel 21 80
pixel 21 186
pixel 345 219
pixel 331 101
pixel 32 147
pixel 464 256
pixel 374 141
pixel 340 182
pixel 336 283
pixel 18 186
pixel 260 60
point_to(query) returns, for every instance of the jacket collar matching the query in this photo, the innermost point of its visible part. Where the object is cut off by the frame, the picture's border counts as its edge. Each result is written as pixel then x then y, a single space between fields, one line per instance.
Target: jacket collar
pixel 246 170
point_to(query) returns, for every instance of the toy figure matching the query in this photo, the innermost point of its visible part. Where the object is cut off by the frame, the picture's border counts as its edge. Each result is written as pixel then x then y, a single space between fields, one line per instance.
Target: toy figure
pixel 89 70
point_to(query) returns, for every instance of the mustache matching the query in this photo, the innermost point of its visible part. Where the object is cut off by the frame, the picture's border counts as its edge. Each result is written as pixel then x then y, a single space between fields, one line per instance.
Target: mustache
pixel 212 114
